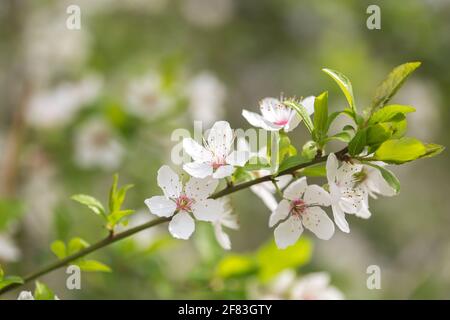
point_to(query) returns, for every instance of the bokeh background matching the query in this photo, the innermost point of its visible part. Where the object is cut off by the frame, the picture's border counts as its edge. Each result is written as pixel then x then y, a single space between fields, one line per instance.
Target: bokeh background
pixel 79 105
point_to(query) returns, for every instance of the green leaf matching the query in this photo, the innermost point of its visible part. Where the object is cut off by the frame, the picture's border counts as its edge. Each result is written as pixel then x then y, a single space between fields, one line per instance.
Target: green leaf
pixel 392 83
pixel 345 85
pixel 302 112
pixel 309 150
pixel 2 273
pixel 116 216
pixel 113 192
pixel 59 249
pixel 320 116
pixel 42 292
pixel 292 162
pixel 91 202
pixel 389 112
pixel 357 144
pixel 8 280
pixel 331 118
pixel 256 163
pixel 432 150
pixel 286 149
pixel 390 178
pixel 379 133
pixel 317 170
pixel 400 150
pixel 77 244
pixel 241 175
pixel 120 197
pixel 272 260
pixel 349 127
pixel 235 265
pixel 341 136
pixel 93 266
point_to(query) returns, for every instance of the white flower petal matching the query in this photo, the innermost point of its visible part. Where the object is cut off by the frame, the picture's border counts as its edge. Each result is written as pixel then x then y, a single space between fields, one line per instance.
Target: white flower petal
pixel 293 122
pixel 169 182
pixel 296 189
pixel 332 167
pixel 220 138
pixel 283 181
pixel 258 121
pixel 207 210
pixel 377 184
pixel 161 206
pixel 315 195
pixel 25 295
pixel 223 171
pixel 222 238
pixel 280 213
pixel 269 107
pixel 198 170
pixel 316 220
pixel 308 103
pixel 288 232
pixel 364 212
pixel 339 219
pixel 196 151
pixel 237 158
pixel 199 189
pixel 182 226
pixel 265 195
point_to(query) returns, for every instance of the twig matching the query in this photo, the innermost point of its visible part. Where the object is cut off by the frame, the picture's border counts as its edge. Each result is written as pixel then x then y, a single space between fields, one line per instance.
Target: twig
pixel 122 235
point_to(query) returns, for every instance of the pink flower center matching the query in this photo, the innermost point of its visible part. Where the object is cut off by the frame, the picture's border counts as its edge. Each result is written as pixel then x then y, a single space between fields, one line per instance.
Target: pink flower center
pixel 298 207
pixel 281 122
pixel 184 203
pixel 218 162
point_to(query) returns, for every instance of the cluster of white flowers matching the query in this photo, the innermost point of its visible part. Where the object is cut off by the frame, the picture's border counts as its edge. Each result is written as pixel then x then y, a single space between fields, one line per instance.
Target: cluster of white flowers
pixel 349 184
pixel 287 285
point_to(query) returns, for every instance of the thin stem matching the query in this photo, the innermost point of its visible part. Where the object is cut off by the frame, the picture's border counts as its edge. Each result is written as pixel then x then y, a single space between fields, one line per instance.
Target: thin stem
pixel 102 243
pixel 122 235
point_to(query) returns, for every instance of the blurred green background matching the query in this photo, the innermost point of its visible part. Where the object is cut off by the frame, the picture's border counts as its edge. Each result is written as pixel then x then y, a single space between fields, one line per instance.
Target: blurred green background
pixel 79 105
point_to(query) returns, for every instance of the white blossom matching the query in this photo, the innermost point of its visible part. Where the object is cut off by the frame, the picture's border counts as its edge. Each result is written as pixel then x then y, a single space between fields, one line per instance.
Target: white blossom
pixel 147 98
pixel 275 115
pixel 301 208
pixel 288 286
pixel 206 96
pixel 96 145
pixel 25 295
pixel 266 190
pixel 225 219
pixel 56 107
pixel 216 158
pixel 350 185
pixel 346 196
pixel 181 202
pixel 315 286
pixel 9 252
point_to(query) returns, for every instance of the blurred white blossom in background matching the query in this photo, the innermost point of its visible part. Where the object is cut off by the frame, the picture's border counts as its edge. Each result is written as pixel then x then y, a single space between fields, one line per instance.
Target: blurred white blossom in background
pixel 147 98
pixel 50 48
pixel 9 252
pixel 206 94
pixel 145 238
pixel 56 107
pixel 287 285
pixel 97 145
pixel 207 13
